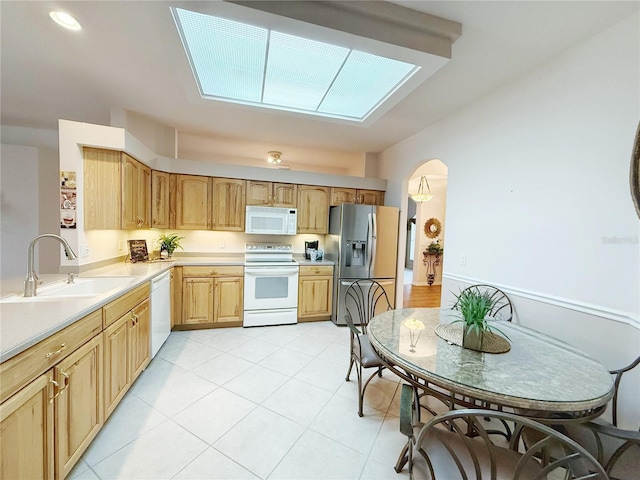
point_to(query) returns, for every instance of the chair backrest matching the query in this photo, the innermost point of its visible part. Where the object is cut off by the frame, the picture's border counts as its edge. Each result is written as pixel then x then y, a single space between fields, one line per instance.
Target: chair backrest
pixel 616 384
pixel 479 457
pixel 364 299
pixel 502 310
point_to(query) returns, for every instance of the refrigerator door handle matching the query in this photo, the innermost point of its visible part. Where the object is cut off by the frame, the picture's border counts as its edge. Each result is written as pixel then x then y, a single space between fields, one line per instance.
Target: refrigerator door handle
pixel 370 240
pixel 374 238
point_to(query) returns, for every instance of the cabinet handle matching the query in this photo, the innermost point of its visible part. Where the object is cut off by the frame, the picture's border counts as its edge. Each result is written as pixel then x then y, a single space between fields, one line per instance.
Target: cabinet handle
pixel 50 354
pixel 55 385
pixel 66 379
pixel 213 272
pixel 316 271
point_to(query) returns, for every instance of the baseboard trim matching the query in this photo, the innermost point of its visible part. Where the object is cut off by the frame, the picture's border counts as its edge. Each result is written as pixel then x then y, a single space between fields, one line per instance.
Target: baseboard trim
pixel 590 309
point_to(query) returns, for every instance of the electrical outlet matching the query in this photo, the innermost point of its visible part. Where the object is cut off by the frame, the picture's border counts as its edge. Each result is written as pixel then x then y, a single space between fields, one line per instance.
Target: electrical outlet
pixel 84 250
pixel 463 260
pixel 222 245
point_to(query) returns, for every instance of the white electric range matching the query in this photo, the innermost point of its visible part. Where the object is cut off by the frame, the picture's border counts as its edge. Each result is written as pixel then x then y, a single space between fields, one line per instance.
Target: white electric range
pixel 270 285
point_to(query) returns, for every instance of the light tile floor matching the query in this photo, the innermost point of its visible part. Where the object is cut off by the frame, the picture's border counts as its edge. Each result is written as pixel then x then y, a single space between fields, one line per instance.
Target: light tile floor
pixel 257 403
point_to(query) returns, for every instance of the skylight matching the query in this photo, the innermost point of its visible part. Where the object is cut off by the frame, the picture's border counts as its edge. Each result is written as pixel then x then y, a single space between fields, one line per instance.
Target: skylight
pixel 241 63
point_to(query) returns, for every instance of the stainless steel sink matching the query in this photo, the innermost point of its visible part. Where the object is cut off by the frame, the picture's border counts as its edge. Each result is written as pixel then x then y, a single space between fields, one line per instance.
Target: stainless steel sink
pixel 81 288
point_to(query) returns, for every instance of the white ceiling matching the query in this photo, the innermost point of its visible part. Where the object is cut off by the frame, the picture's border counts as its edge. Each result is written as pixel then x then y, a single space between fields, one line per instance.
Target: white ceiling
pixel 128 55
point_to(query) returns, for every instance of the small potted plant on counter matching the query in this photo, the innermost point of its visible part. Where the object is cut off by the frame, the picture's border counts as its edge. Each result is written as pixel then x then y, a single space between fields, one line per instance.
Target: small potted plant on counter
pixel 474 306
pixel 168 243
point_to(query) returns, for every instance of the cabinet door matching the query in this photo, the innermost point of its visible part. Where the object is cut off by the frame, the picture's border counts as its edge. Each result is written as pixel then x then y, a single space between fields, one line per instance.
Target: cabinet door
pixel 102 184
pixel 259 193
pixel 285 195
pixel 341 195
pixel 314 297
pixel 116 363
pixel 313 209
pixel 228 204
pixel 197 301
pixel 193 202
pixel 370 197
pixel 143 197
pixel 139 339
pixel 78 406
pixel 160 199
pixel 228 302
pixel 130 185
pixel 26 432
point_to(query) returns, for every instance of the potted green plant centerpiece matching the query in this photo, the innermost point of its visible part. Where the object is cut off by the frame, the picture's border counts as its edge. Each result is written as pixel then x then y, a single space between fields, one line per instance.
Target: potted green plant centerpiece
pixel 168 243
pixel 474 306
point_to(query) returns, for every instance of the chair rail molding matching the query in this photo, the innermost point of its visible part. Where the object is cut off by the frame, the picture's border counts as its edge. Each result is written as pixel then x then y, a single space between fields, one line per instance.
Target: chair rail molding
pixel 590 309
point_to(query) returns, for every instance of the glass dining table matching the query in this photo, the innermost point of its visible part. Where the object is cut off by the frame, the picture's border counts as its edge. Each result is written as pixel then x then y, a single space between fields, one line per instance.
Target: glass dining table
pixel 539 377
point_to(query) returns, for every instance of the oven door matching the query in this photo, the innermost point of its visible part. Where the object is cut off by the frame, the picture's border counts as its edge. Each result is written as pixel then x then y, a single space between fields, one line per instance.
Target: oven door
pixel 270 287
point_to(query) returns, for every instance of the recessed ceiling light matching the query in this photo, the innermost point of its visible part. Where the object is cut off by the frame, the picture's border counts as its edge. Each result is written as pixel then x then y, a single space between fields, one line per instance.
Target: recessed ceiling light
pixel 247 64
pixel 65 20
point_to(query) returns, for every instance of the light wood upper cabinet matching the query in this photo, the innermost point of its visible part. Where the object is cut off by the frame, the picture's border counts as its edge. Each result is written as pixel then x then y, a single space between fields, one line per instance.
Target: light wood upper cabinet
pixel 315 286
pixel 26 431
pixel 313 209
pixel 136 194
pixel 370 197
pixel 78 404
pixel 160 186
pixel 193 202
pixel 340 195
pixel 228 204
pixel 101 191
pixel 269 194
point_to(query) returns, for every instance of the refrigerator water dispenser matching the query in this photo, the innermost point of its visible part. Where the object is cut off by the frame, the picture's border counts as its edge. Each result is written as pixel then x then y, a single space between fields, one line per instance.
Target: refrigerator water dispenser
pixel 356 254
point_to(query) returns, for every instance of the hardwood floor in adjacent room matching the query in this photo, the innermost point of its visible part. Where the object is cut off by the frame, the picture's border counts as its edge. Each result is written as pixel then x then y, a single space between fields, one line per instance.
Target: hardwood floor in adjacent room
pixel 421 296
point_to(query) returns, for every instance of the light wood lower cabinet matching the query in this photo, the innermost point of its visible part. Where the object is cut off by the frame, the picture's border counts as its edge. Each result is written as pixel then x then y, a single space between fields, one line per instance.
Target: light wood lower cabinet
pixel 126 344
pixel 78 404
pixel 315 285
pixel 54 393
pixel 212 296
pixel 26 431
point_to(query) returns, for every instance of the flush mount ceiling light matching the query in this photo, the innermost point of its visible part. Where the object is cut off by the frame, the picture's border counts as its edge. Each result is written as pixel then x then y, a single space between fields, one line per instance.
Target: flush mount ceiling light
pixel 274 157
pixel 65 20
pixel 421 196
pixel 242 63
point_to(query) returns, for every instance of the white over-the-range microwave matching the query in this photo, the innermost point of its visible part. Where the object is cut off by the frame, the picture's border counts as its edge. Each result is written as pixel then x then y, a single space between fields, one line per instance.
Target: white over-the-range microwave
pixel 271 220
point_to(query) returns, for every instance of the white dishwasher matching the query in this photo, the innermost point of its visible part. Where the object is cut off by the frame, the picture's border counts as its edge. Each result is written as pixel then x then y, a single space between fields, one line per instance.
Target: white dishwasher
pixel 160 311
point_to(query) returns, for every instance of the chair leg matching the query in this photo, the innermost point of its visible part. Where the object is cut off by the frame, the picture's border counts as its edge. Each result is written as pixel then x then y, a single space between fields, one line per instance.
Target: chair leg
pixel 360 392
pixel 350 367
pixel 403 459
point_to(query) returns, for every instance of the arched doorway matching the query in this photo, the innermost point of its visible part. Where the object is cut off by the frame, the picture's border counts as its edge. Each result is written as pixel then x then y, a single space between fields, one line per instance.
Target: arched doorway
pixel 424 257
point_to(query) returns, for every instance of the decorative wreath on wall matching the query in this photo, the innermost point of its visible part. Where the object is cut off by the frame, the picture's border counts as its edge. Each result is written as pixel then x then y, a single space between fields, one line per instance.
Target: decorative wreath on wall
pixel 432 228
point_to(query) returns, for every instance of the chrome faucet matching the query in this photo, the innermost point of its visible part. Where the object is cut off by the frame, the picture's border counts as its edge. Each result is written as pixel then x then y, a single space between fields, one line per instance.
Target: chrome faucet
pixel 31 282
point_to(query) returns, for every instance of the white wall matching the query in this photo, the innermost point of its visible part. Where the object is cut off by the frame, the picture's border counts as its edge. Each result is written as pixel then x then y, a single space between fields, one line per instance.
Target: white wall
pixel 19 183
pixel 30 191
pixel 538 197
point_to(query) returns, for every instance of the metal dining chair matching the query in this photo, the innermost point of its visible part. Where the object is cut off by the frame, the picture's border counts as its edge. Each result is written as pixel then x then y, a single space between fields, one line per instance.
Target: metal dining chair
pixel 444 449
pixel 363 300
pixel 617 449
pixel 502 309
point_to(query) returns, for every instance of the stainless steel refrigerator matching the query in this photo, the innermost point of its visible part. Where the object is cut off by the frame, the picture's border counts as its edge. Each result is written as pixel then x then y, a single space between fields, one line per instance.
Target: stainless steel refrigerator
pixel 363 243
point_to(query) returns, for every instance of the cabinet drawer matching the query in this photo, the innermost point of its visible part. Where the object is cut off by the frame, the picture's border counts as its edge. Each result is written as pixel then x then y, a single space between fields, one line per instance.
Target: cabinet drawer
pixel 24 367
pixel 213 271
pixel 312 270
pixel 117 308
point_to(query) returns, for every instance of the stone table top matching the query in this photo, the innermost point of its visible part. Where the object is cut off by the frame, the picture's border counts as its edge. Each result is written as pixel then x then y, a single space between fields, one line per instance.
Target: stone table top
pixel 539 373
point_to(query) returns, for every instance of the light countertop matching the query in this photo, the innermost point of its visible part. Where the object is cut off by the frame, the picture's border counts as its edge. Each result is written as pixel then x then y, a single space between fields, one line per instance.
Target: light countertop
pixel 25 323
